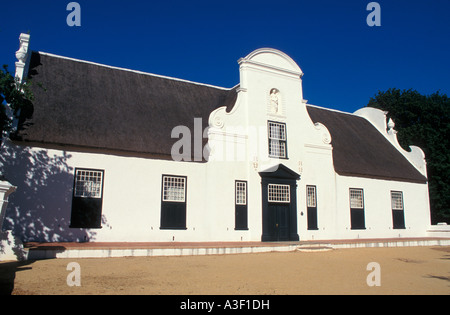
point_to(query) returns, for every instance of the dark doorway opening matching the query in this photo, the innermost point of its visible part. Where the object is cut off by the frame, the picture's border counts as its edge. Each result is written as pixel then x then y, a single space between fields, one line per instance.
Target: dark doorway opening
pixel 279 204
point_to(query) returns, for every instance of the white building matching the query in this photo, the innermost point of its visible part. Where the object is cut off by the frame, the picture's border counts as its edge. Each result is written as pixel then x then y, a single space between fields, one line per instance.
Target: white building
pixel 112 154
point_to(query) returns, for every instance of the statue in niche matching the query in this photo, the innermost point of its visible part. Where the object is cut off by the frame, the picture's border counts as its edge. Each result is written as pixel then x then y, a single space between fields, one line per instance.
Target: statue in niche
pixel 274 100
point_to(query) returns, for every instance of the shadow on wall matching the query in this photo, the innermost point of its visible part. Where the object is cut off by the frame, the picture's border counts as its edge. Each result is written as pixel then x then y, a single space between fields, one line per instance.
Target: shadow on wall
pixel 40 209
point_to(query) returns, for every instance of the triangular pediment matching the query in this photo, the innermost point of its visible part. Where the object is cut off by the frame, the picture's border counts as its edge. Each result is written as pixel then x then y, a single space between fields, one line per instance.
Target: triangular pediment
pixel 280 171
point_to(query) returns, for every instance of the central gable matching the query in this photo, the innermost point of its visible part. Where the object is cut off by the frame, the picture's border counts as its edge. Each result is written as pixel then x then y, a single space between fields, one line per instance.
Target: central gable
pixel 272 58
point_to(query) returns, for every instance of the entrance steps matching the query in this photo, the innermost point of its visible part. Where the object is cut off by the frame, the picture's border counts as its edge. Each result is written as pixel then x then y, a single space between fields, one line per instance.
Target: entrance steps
pixel 116 250
pixel 311 248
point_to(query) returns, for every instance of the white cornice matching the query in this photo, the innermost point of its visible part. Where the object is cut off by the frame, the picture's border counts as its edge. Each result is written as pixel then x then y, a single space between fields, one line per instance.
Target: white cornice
pixel 244 62
pixel 330 109
pixel 287 66
pixel 273 51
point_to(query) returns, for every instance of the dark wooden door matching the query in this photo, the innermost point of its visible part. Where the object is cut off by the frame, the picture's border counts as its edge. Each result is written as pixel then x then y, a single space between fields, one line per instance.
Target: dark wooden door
pixel 279 221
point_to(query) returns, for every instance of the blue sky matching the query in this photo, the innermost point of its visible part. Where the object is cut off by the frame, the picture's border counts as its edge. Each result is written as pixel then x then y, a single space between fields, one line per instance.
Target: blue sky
pixel 344 60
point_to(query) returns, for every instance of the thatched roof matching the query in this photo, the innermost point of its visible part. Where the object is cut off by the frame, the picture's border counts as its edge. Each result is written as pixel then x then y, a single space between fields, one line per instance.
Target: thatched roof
pixel 93 106
pixel 360 150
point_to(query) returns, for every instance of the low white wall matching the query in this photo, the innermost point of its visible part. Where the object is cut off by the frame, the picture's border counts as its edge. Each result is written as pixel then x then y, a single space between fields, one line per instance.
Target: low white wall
pixel 439 230
pixel 11 248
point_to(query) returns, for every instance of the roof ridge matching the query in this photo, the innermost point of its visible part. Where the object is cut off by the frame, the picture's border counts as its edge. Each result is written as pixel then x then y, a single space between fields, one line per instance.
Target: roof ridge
pixel 332 110
pixel 134 71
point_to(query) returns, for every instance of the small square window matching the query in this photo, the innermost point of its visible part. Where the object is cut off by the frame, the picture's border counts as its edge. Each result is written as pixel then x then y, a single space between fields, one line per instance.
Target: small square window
pixel 174 189
pixel 397 200
pixel 88 184
pixel 279 193
pixel 356 199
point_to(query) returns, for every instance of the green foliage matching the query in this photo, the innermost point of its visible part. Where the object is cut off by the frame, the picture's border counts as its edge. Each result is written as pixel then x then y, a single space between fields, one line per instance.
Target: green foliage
pixel 424 121
pixel 19 98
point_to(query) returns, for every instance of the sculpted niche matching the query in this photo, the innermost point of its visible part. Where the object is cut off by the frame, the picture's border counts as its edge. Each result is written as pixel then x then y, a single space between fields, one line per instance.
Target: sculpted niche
pixel 275 102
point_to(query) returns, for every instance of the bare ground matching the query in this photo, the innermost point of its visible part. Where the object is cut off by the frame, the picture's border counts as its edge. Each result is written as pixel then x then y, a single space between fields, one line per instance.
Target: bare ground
pixel 405 270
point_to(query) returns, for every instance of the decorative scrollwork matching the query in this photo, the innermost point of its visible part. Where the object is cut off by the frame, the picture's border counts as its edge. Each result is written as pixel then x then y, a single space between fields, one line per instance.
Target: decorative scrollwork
pixel 326 136
pixel 218 122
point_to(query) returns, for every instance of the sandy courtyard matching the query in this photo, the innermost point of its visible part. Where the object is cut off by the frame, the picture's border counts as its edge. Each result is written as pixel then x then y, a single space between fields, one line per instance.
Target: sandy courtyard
pixel 406 270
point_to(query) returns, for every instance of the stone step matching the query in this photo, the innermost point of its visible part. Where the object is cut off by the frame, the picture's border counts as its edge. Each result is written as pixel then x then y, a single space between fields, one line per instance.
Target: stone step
pixel 308 248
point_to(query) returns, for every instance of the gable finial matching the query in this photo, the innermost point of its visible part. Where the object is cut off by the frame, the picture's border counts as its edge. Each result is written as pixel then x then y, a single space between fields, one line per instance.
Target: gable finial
pixel 22 55
pixel 391 126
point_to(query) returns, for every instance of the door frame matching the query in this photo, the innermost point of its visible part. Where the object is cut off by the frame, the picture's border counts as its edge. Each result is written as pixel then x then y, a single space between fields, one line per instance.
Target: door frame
pixel 279 174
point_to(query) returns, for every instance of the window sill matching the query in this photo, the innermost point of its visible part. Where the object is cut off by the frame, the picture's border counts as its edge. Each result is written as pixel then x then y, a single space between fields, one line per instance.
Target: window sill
pixel 85 227
pixel 279 157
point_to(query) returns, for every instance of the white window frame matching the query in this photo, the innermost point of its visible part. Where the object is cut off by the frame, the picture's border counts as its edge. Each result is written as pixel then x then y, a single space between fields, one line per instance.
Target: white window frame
pixel 356 198
pixel 277 139
pixel 241 193
pixel 397 200
pixel 174 188
pixel 279 193
pixel 88 183
pixel 311 196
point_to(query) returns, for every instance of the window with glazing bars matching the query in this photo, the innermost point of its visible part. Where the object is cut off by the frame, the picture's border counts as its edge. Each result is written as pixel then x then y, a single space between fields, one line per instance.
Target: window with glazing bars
pixel 241 208
pixel 398 213
pixel 311 196
pixel 397 200
pixel 241 193
pixel 357 216
pixel 174 189
pixel 356 199
pixel 277 139
pixel 311 205
pixel 88 184
pixel 279 193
